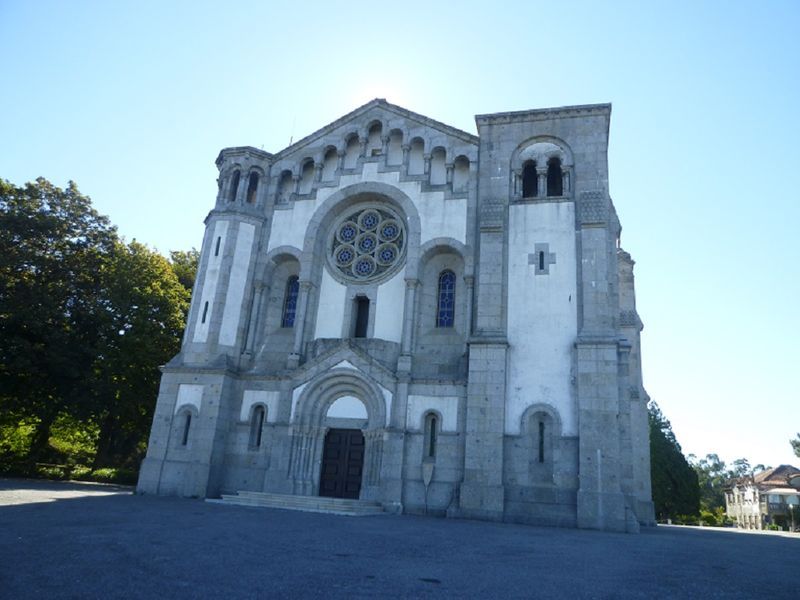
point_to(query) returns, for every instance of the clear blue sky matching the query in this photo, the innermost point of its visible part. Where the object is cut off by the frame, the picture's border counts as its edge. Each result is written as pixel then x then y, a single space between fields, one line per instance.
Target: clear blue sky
pixel 133 100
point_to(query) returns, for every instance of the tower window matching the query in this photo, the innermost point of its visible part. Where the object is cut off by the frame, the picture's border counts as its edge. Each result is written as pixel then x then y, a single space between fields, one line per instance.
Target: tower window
pixel 554 177
pixel 234 186
pixel 187 423
pixel 529 180
pixel 446 299
pixel 431 425
pixel 541 260
pixel 362 317
pixel 290 302
pixel 216 247
pixel 252 188
pixel 541 441
pixel 205 312
pixel 256 427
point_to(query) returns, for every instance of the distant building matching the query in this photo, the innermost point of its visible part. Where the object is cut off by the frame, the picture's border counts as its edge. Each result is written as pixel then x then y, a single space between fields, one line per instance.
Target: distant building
pixel 764 499
pixel 396 311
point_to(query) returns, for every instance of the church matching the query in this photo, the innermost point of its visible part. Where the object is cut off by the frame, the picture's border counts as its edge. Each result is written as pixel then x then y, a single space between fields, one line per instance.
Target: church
pixel 395 311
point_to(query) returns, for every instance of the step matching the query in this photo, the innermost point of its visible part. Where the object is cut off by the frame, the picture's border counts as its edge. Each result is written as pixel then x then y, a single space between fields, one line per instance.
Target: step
pixel 319 504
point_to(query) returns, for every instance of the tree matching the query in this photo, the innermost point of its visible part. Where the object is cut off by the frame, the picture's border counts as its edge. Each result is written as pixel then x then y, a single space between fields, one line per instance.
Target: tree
pixel 674 482
pixel 85 322
pixel 796 445
pixel 145 306
pixel 184 263
pixel 54 248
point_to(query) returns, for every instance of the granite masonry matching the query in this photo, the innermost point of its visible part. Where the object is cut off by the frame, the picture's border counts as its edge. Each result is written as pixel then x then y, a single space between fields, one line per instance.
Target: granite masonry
pixel 399 311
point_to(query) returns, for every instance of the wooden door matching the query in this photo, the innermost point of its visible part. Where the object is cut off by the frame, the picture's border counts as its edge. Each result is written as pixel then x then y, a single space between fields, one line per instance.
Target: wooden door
pixel 342 464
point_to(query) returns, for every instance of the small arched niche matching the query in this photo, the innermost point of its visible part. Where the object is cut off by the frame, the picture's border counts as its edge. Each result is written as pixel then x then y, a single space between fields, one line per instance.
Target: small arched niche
pixel 374 139
pixel 460 174
pixel 306 178
pixel 329 164
pixel 351 152
pixel 416 158
pixel 395 151
pixel 438 167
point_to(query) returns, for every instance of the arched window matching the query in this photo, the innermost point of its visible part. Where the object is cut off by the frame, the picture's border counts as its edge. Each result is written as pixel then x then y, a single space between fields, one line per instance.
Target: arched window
pixel 554 177
pixel 374 140
pixel 234 186
pixel 187 423
pixel 252 187
pixel 290 301
pixel 256 426
pixel 431 434
pixel 446 299
pixel 529 180
pixel 416 157
pixel 329 164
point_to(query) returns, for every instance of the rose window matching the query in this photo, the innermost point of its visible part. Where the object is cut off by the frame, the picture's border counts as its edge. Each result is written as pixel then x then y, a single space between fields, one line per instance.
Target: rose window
pixel 367 244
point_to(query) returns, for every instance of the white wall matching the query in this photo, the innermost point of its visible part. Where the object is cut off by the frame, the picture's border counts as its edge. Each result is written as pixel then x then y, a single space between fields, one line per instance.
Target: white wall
pixel 267 398
pixel 389 308
pixel 189 394
pixel 447 406
pixel 439 217
pixel 542 313
pixel 330 312
pixel 210 281
pixel 236 284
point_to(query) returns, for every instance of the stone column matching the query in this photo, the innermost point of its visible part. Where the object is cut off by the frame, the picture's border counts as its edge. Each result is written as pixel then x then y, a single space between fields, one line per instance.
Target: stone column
pixel 541 179
pixel 299 323
pixel 340 154
pixel 449 180
pixel 469 283
pixel 427 162
pixel 318 170
pixel 406 153
pixel 565 182
pixel 385 147
pixel 409 315
pixel 255 311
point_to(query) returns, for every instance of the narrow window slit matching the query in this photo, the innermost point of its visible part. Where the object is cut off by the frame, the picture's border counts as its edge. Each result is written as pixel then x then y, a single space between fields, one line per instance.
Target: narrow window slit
pixel 205 312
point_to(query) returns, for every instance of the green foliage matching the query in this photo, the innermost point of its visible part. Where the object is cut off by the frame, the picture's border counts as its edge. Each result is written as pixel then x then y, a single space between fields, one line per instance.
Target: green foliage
pixel 674 482
pixel 80 472
pixel 51 472
pixel 184 264
pixel 796 445
pixel 85 322
pixel 74 441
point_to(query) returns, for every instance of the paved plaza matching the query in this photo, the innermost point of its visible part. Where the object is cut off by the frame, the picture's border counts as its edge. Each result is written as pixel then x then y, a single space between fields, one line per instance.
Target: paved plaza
pixel 71 540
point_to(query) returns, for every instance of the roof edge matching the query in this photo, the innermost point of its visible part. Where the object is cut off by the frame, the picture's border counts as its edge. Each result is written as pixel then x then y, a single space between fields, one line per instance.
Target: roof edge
pixel 536 114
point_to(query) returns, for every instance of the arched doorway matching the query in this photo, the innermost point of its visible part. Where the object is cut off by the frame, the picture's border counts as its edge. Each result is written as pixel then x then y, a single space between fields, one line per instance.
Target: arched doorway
pixel 343 450
pixel 342 464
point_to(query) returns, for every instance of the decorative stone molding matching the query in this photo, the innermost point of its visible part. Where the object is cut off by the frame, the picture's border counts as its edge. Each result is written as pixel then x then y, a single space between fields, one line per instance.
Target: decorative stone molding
pixel 593 208
pixel 492 216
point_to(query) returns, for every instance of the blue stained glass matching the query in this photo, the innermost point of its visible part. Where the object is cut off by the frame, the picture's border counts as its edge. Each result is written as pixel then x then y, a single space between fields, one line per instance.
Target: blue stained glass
pixel 290 302
pixel 366 243
pixel 446 299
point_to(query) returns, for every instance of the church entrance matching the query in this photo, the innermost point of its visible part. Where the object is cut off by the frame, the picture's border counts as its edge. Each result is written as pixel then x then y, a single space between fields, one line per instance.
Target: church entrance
pixel 342 464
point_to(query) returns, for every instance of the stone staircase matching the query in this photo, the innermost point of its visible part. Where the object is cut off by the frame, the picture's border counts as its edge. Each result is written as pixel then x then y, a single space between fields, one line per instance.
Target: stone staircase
pixel 319 504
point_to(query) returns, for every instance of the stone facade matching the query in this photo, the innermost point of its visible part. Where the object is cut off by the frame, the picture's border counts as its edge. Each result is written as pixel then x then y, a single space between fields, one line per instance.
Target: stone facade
pixel 461 300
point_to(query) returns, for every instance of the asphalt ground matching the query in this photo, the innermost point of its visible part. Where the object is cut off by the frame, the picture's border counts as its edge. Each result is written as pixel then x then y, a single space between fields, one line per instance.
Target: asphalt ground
pixel 75 540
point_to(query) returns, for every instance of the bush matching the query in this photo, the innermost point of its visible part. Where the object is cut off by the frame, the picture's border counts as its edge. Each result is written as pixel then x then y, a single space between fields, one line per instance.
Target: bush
pixel 123 476
pixel 51 472
pixel 81 472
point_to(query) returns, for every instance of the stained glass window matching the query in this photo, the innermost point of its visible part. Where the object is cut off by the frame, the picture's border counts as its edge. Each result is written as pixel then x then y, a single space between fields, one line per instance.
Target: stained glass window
pixel 290 302
pixel 367 244
pixel 446 299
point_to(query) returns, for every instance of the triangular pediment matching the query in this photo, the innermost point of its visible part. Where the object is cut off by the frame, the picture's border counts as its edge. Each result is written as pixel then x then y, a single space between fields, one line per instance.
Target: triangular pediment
pixel 378 109
pixel 349 357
